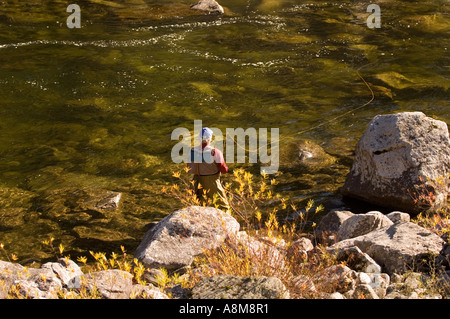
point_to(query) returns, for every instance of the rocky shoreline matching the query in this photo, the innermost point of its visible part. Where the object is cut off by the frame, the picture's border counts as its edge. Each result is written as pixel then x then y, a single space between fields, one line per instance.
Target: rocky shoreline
pixel 376 255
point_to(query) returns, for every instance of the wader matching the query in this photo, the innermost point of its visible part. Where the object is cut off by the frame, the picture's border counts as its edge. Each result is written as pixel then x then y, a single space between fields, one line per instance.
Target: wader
pixel 207 179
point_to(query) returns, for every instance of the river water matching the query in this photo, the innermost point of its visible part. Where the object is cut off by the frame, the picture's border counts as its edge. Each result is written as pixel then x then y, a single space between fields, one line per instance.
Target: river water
pixel 93 108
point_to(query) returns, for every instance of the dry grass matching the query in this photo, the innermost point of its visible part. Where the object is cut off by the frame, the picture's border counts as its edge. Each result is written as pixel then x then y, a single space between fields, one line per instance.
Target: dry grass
pixel 264 249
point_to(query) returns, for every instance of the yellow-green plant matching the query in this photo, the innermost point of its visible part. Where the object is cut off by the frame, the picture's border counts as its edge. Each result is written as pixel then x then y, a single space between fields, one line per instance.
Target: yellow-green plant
pixel 433 217
pixel 252 201
pixel 260 251
pixel 11 258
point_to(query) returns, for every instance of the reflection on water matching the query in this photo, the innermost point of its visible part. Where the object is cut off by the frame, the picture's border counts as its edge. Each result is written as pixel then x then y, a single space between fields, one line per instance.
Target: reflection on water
pixel 93 108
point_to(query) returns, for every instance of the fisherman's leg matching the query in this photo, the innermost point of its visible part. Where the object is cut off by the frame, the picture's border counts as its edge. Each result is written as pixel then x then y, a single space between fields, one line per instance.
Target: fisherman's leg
pixel 199 189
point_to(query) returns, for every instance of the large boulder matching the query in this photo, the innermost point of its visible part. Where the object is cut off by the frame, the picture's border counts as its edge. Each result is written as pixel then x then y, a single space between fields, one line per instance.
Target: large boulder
pixel 397 248
pixel 398 153
pixel 179 237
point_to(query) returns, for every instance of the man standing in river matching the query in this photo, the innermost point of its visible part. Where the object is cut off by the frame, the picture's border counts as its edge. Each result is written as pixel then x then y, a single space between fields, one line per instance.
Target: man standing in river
pixel 207 164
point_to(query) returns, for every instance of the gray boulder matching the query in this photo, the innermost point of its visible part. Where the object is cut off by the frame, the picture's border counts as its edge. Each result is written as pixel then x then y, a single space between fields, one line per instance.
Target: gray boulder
pixel 300 248
pixel 336 278
pixel 411 285
pixel 9 272
pixel 397 248
pixel 178 238
pixel 361 224
pixel 208 6
pixel 114 284
pixel 397 217
pixel 332 221
pixel 263 251
pixel 357 260
pixel 65 269
pixel 37 284
pixel 235 287
pixel 109 284
pixel 397 153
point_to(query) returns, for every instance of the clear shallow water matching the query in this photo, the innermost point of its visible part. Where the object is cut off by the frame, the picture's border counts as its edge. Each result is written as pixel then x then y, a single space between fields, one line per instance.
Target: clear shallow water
pixel 94 108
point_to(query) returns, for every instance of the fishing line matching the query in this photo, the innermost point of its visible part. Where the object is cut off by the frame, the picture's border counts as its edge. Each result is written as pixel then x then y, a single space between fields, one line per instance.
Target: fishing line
pixel 326 122
pixel 346 113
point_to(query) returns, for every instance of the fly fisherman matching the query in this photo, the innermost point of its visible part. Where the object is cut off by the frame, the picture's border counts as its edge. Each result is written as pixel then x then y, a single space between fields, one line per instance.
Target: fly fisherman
pixel 207 164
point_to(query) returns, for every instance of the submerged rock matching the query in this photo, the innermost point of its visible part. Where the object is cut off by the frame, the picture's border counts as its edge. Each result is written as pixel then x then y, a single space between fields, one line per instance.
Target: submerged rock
pixel 67 203
pixel 304 155
pixel 399 158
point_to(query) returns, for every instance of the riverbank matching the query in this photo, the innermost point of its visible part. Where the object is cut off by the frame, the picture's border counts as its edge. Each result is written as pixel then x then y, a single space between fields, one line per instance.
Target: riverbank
pixel 214 266
pixel 268 248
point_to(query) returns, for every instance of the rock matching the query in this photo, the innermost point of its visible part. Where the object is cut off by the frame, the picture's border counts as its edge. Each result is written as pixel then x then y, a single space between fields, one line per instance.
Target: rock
pixel 337 278
pixel 235 287
pixel 65 279
pixel 396 153
pixel 397 217
pixel 361 224
pixel 9 272
pixel 259 249
pixel 395 80
pixel 411 285
pixel 443 282
pixel 147 292
pixel 332 221
pixel 75 205
pixel 64 269
pixel 37 284
pixel 300 247
pixel 335 295
pixel 178 292
pixel 208 6
pixel 304 155
pixel 357 260
pixel 397 248
pixel 379 283
pixel 32 283
pixel 179 237
pixel 304 286
pixel 364 291
pixel 109 284
pixel 152 275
